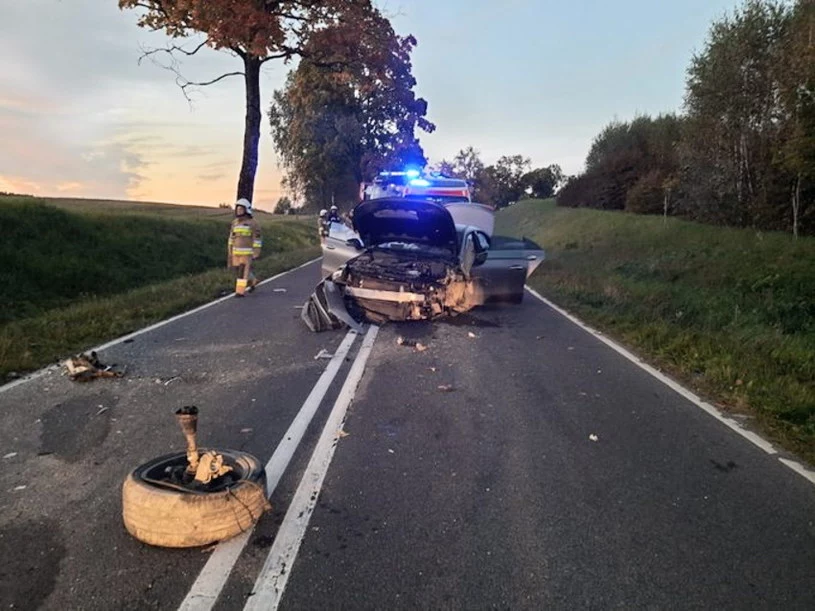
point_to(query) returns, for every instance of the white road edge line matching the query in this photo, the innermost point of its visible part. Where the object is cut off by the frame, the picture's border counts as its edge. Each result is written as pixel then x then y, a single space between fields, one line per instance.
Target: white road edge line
pixel 213 577
pixel 687 394
pixel 41 372
pixel 799 469
pixel 271 582
pixel 684 392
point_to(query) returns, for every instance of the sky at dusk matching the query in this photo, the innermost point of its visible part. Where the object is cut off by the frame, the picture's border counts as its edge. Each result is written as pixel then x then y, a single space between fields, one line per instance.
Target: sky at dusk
pixel 79 117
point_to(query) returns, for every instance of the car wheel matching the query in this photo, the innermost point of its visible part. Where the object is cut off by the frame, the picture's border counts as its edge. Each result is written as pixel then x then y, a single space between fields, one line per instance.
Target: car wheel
pixel 160 511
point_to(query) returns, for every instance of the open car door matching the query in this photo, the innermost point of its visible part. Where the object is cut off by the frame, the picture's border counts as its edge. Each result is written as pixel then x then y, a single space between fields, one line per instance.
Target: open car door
pixel 341 245
pixel 502 276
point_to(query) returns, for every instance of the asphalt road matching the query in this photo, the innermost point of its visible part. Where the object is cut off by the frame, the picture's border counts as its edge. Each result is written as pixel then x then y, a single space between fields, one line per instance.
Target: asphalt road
pixel 517 462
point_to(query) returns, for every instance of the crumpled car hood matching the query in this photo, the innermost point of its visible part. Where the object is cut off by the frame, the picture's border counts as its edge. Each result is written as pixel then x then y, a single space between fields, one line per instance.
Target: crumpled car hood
pixel 380 221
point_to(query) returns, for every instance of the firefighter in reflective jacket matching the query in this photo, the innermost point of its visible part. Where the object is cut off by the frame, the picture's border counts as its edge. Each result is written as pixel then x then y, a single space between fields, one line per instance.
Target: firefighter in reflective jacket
pixel 244 246
pixel 322 224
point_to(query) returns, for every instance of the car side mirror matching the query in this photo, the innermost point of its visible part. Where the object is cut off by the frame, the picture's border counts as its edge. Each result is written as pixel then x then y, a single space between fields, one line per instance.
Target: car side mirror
pixel 481 247
pixel 354 243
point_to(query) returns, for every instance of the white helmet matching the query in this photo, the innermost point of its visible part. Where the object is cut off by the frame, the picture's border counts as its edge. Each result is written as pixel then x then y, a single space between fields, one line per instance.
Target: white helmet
pixel 245 203
pixel 323 212
pixel 333 208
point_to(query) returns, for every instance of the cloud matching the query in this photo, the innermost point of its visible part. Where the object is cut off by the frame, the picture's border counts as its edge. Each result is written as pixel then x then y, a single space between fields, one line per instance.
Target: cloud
pixel 210 177
pixel 79 115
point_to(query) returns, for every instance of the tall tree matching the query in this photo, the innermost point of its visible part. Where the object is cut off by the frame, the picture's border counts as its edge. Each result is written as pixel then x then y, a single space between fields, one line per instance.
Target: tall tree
pixel 502 183
pixel 334 128
pixel 541 183
pixel 255 31
pixel 735 117
pixel 797 155
pixel 467 164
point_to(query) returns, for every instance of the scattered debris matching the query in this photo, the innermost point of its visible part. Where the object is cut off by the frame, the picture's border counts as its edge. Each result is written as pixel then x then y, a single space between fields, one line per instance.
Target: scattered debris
pixel 446 388
pixel 18 488
pixel 391 451
pixel 171 380
pixel 246 430
pixel 102 410
pixel 280 290
pixel 129 341
pixel 411 343
pixel 84 368
pixel 300 307
pixel 471 334
pixel 342 434
pixel 323 354
pixel 599 371
pixel 594 437
pixel 433 369
pixel 10 455
pixel 13 375
pixel 539 337
pixel 211 548
pixel 570 348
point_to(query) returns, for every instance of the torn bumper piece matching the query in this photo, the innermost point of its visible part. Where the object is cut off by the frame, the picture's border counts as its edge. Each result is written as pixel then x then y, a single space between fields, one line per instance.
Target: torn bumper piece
pixel 325 310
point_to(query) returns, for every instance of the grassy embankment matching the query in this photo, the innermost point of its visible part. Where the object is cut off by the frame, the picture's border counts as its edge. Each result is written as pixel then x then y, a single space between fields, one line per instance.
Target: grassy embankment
pixel 75 273
pixel 731 312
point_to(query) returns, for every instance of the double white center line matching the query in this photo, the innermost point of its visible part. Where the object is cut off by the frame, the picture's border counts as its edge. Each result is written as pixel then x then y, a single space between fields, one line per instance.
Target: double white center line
pixel 213 577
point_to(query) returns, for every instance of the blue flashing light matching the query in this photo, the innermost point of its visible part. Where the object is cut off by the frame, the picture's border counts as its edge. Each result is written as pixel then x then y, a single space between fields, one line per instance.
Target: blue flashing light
pixel 419 182
pixel 412 173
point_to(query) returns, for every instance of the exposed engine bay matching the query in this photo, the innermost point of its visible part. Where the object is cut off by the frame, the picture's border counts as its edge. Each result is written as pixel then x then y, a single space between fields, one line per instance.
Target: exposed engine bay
pixel 382 285
pixel 402 286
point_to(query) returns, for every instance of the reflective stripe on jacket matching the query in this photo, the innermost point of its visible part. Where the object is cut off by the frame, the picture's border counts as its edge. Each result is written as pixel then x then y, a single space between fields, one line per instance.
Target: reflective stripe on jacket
pixel 244 237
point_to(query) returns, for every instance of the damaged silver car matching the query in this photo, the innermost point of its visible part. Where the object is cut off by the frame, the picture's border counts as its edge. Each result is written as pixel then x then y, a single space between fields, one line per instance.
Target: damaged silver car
pixel 415 259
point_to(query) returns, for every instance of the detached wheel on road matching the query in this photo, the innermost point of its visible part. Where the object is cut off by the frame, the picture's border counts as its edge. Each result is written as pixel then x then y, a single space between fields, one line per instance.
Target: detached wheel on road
pixel 159 509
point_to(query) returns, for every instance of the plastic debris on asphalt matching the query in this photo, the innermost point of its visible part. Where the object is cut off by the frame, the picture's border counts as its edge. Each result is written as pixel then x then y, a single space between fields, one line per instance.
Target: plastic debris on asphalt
pixel 594 437
pixel 323 354
pixel 281 290
pixel 10 455
pixel 471 334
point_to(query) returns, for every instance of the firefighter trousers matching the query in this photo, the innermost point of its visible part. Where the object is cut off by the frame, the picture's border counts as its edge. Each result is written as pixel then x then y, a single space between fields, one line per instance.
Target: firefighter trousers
pixel 245 276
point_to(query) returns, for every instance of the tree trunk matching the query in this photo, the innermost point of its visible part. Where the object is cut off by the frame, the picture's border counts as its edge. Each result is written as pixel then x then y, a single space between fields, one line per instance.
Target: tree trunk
pixel 251 133
pixel 796 205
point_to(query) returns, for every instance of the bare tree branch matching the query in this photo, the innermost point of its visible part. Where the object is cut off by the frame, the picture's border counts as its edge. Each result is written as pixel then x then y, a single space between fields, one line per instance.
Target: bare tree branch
pixel 170 50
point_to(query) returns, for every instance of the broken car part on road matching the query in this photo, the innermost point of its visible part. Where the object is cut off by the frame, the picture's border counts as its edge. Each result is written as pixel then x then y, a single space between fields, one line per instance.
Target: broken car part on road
pixel 193 498
pixel 87 367
pixel 416 260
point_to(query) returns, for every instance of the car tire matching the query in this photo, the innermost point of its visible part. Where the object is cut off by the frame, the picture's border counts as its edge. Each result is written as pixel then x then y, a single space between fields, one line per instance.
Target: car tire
pixel 170 516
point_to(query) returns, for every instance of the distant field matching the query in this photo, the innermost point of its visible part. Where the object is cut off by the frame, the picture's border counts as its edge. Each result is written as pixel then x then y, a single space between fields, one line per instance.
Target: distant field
pixel 731 312
pixel 61 255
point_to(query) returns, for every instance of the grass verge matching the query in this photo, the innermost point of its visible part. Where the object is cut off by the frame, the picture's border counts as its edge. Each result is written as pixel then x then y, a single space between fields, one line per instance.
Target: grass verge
pixel 31 343
pixel 730 312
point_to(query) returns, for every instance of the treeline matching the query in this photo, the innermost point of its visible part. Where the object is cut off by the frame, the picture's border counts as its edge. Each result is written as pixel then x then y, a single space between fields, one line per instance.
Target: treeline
pixel 506 181
pixel 743 151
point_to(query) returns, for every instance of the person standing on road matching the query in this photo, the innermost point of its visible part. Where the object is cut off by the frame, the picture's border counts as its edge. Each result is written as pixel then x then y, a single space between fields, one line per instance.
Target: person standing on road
pixel 322 225
pixel 244 246
pixel 334 215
